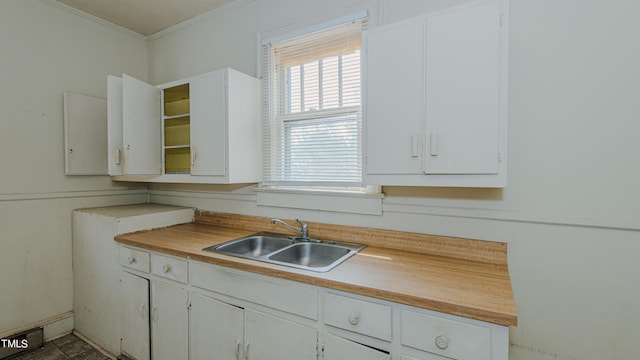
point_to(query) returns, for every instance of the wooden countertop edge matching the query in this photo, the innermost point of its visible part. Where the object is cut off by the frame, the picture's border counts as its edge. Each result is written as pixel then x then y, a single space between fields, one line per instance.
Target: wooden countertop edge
pixel 506 319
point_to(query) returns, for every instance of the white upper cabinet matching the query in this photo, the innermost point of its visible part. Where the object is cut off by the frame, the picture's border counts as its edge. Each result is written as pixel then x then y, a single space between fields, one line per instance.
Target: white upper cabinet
pixel 204 129
pixel 114 126
pixel 141 132
pixel 208 111
pixel 436 99
pixel 394 96
pixel 85 140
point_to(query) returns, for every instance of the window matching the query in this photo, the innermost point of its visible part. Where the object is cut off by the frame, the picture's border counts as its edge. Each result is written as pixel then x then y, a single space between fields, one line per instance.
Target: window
pixel 312 108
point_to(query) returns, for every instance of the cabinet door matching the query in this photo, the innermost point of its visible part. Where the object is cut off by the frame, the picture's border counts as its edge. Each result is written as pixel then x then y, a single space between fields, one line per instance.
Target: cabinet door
pixel 336 348
pixel 208 124
pixel 142 127
pixel 169 321
pixel 114 125
pixel 395 98
pixel 463 90
pixel 271 338
pixel 134 292
pixel 85 130
pixel 215 329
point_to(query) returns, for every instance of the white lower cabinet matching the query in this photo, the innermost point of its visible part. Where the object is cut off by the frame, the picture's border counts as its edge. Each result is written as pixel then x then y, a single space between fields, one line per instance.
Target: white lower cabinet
pixel 223 331
pixel 169 321
pixel 337 348
pixel 175 308
pixel 134 315
pixel 452 339
pixel 238 315
pixel 98 262
pixel 269 337
pixel 154 313
pixel 216 329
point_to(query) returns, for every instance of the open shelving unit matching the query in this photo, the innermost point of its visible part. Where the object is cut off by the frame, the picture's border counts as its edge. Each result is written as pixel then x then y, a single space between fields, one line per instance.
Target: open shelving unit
pixel 177 130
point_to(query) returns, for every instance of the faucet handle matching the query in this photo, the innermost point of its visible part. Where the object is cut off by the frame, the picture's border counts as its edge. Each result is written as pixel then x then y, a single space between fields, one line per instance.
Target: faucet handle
pixel 304 229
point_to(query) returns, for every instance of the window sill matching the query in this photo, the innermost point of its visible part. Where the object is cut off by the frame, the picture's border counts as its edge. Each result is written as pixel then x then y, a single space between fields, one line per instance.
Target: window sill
pixel 353 202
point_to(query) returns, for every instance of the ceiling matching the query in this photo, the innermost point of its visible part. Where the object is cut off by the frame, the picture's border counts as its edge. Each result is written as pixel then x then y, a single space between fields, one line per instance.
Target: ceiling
pixel 145 16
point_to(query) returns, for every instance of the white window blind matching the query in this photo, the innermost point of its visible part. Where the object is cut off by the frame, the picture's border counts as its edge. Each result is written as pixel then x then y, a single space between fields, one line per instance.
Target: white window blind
pixel 312 108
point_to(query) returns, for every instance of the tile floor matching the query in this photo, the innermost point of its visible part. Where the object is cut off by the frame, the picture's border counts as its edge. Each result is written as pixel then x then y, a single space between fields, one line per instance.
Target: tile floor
pixel 69 347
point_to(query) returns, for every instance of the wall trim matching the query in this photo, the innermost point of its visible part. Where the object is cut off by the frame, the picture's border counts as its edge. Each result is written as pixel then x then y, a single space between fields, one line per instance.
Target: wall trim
pixel 44 323
pixel 430 207
pixel 404 205
pixel 210 195
pixel 69 194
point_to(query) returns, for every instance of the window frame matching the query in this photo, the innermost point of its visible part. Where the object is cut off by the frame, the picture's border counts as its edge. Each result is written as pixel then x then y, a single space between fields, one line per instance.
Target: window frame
pixel 275 123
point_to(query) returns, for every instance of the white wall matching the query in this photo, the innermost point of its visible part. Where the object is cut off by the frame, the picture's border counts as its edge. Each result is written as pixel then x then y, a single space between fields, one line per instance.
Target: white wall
pixel 44 52
pixel 570 212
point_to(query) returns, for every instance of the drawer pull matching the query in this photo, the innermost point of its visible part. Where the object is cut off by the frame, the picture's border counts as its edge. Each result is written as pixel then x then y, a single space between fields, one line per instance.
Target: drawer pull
pixel 131 259
pixel 166 268
pixel 442 342
pixel 354 319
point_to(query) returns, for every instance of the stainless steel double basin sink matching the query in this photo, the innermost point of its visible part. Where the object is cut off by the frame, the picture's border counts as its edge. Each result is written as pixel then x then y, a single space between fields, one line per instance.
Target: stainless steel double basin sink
pixel 307 254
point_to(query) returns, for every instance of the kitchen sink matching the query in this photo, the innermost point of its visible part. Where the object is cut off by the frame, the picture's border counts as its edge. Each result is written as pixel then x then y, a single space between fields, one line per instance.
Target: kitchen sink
pixel 308 254
pixel 254 246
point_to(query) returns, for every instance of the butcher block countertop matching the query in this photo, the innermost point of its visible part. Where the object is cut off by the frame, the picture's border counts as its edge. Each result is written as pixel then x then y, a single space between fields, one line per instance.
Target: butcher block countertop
pixel 463 277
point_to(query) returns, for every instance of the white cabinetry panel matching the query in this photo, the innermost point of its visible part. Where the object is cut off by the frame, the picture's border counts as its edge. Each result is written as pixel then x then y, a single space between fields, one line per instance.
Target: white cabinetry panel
pixel 453 339
pixel 208 124
pixel 215 328
pixel 134 315
pixel 270 338
pixel 359 316
pixel 141 126
pixel 463 90
pixel 204 129
pixel 169 321
pixel 115 142
pixel 436 98
pixel 395 88
pixel 85 134
pixel 336 348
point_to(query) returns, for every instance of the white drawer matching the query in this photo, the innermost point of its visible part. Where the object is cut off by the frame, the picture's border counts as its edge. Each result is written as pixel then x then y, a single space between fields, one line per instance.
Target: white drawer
pixel 278 294
pixel 450 338
pixel 134 259
pixel 360 316
pixel 169 267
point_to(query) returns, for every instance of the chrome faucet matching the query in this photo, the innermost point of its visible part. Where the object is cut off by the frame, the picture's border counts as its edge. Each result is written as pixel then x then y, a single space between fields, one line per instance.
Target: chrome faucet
pixel 303 231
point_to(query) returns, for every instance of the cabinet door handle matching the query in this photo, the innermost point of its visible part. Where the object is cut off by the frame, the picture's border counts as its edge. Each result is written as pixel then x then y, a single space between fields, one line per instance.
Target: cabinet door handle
pixel 131 260
pixel 237 350
pixel 193 157
pixel 434 144
pixel 118 155
pixel 143 311
pixel 154 314
pixel 415 146
pixel 353 319
pixel 166 268
pixel 246 352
